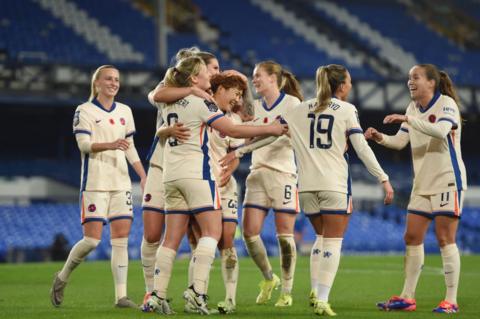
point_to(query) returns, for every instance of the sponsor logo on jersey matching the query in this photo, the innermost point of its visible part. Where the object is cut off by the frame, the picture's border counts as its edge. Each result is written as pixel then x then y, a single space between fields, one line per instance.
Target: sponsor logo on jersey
pixel 432 118
pixel 448 109
pixel 92 208
pixel 122 121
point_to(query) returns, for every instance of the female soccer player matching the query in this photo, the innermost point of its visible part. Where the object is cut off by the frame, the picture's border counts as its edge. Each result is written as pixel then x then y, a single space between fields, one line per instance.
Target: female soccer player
pixel 189 187
pixel 272 182
pixel 104 132
pixel 432 125
pixel 319 129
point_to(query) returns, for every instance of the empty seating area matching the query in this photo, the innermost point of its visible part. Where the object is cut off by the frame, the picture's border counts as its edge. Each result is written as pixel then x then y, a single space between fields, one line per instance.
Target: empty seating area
pixel 34 228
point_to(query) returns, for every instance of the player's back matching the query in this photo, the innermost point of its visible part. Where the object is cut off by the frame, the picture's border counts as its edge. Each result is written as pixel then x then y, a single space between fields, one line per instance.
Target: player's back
pixel 320 143
pixel 189 159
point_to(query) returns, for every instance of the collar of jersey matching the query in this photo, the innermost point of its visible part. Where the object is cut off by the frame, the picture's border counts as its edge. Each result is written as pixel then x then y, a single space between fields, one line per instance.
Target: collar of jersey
pixel 430 104
pixel 280 98
pixel 95 101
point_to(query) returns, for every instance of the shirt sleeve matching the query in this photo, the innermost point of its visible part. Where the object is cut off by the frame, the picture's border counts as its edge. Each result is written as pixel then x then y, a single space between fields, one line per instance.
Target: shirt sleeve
pixel 367 157
pixel 82 124
pixel 399 140
pixel 239 152
pixel 130 129
pixel 440 129
pixel 209 112
pixel 353 123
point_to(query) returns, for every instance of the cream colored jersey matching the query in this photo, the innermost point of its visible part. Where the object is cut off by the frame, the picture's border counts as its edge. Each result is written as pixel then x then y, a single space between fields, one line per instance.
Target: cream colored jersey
pixel 107 170
pixel 192 158
pixel 155 155
pixel 320 142
pixel 437 163
pixel 279 154
pixel 220 145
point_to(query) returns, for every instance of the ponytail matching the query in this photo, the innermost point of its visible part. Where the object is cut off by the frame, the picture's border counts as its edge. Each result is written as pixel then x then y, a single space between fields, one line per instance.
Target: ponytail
pixel 290 85
pixel 329 78
pixel 446 87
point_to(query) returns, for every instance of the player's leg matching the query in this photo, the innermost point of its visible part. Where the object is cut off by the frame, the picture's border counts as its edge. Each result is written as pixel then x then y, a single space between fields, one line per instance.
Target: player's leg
pixel 93 217
pixel 193 235
pixel 418 219
pixel 229 265
pixel 447 214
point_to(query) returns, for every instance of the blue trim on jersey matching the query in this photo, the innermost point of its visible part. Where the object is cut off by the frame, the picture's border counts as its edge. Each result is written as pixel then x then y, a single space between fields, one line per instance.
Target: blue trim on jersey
pixel 430 104
pixel 152 148
pixel 285 211
pixel 114 105
pixel 213 119
pixel 454 124
pixel 82 132
pixel 94 219
pixel 354 131
pixel 203 209
pixel 229 220
pixel 279 99
pixel 85 172
pixel 403 129
pixel 256 206
pixel 445 213
pixel 130 134
pixel 456 168
pixel 420 213
pixel 153 209
pixel 349 177
pixel 119 217
pixel 206 158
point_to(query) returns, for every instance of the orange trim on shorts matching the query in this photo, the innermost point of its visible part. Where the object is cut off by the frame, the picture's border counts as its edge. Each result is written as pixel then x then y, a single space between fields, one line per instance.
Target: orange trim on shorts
pixel 82 215
pixel 217 195
pixel 296 201
pixel 350 204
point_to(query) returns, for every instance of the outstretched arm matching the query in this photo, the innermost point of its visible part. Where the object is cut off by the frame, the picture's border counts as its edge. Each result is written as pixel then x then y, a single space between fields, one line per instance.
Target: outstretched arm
pixel 397 142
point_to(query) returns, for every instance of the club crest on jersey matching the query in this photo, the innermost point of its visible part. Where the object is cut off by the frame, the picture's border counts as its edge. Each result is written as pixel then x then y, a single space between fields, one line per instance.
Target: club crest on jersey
pixel 432 118
pixel 182 102
pixel 212 107
pixel 92 208
pixel 76 118
pixel 147 197
pixel 112 121
pixel 122 121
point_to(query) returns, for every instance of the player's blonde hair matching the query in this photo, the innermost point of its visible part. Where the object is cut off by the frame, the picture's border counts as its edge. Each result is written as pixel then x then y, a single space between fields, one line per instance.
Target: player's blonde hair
pixel 95 76
pixel 181 74
pixel 286 81
pixel 329 78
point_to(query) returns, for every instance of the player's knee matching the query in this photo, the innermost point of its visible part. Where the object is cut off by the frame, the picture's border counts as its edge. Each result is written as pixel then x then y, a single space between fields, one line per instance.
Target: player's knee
pixel 152 237
pixel 412 238
pixel 92 243
pixel 444 239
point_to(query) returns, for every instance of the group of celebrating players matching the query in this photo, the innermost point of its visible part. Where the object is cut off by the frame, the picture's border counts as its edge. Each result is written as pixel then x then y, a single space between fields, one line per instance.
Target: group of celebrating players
pixel 206 121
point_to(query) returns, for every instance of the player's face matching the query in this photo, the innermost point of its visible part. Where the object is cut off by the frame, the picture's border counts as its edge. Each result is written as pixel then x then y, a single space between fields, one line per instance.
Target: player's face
pixel 213 67
pixel 108 82
pixel 233 97
pixel 202 79
pixel 418 83
pixel 262 81
pixel 347 86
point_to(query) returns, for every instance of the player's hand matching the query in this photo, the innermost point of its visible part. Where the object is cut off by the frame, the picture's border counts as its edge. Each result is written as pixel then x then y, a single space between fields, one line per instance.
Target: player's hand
pixel 227 172
pixel 228 159
pixel 394 118
pixel 180 132
pixel 387 187
pixel 372 134
pixel 120 144
pixel 202 94
pixel 278 129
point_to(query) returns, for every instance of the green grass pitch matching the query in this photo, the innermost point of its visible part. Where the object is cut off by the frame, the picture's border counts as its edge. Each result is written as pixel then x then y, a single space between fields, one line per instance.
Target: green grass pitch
pixel 361 281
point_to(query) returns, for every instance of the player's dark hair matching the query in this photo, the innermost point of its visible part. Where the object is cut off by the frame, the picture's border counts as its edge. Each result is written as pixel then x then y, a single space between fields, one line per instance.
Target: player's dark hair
pixel 227 82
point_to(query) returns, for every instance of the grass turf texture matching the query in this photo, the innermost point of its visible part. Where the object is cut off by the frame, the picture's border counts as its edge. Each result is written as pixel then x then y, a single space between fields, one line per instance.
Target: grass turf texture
pixel 360 283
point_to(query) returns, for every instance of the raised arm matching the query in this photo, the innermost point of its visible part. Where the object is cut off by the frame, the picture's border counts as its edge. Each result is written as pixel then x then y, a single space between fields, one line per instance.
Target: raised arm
pixel 397 142
pixel 165 94
pixel 439 129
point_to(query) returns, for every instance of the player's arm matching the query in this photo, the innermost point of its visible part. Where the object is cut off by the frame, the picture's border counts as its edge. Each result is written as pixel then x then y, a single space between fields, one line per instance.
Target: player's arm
pixel 177 130
pixel 439 129
pixel 247 148
pixel 396 142
pixel 165 94
pixel 132 156
pixel 368 158
pixel 227 127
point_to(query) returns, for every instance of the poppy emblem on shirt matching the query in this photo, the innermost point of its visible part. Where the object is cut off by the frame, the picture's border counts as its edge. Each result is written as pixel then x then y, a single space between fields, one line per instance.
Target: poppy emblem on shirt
pixel 147 197
pixel 112 121
pixel 432 118
pixel 122 121
pixel 92 208
pixel 265 120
